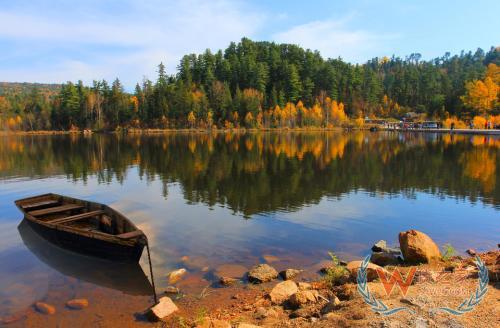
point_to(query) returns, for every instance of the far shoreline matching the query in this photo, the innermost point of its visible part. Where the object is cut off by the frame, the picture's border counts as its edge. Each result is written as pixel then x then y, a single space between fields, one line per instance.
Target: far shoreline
pixel 244 130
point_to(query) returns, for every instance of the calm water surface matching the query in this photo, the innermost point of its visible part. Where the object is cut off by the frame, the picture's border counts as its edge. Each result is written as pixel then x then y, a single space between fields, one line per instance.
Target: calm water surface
pixel 204 201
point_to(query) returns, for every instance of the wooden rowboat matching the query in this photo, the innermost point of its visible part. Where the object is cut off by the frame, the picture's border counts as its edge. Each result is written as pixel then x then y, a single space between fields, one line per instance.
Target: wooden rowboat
pixel 125 277
pixel 84 227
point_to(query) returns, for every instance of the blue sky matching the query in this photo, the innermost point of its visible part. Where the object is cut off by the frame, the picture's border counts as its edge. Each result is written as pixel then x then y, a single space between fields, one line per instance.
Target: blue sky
pixel 56 41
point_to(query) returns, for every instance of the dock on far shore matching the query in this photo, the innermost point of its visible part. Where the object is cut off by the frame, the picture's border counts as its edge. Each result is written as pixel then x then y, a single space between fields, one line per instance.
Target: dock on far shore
pixel 454 131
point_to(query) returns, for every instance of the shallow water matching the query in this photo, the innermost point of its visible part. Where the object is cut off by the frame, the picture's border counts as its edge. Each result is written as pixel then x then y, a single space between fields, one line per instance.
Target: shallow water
pixel 204 201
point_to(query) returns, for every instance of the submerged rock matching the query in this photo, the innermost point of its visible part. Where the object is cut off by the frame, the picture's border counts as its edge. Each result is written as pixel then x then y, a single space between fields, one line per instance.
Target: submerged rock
pixel 235 271
pixel 45 308
pixel 162 310
pixel 172 290
pixel 227 281
pixel 270 258
pixel 77 304
pixel 262 273
pixel 282 291
pixel 176 275
pixel 289 273
pixel 416 246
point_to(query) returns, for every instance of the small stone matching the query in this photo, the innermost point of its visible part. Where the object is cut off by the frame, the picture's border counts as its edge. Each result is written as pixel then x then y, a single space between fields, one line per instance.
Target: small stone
pixel 163 309
pixel 176 275
pixel 45 308
pixel 205 269
pixel 289 273
pixel 172 290
pixel 302 313
pixel 213 323
pixel 332 305
pixel 303 297
pixel 282 291
pixel 227 281
pixel 471 252
pixel 261 313
pixel 383 258
pixel 304 285
pixel 371 270
pixel 262 273
pixel 379 246
pixel 13 318
pixel 77 304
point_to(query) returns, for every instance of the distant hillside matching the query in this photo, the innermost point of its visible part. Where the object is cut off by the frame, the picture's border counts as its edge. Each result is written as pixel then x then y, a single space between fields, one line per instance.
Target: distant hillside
pixel 15 88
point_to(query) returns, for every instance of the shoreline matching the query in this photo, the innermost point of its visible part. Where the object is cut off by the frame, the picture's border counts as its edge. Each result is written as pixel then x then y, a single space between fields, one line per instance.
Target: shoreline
pixel 484 132
pixel 240 304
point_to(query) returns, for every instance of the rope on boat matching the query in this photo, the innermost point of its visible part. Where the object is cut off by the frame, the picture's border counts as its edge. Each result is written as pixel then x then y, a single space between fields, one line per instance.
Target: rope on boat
pixel 151 271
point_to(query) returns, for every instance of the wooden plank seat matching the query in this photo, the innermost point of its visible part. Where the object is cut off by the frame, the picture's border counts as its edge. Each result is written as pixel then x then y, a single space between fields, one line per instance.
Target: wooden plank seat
pixel 76 217
pixel 131 234
pixel 40 204
pixel 57 209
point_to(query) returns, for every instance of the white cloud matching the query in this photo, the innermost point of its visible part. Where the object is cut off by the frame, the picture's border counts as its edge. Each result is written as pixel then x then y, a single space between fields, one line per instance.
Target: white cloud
pixel 95 40
pixel 334 39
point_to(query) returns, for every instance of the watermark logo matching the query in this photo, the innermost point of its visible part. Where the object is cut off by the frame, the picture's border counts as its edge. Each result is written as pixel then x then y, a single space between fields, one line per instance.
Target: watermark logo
pixel 396 278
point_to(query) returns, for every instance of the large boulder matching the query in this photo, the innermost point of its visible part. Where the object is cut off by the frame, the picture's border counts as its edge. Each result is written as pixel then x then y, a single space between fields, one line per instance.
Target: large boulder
pixel 417 247
pixel 262 273
pixel 371 270
pixel 282 291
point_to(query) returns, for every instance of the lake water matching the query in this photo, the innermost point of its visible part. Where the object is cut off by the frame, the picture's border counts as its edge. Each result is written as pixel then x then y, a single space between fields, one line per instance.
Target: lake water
pixel 208 200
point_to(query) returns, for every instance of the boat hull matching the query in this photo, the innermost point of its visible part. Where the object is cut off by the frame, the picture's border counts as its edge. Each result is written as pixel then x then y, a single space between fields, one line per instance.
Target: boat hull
pixel 87 245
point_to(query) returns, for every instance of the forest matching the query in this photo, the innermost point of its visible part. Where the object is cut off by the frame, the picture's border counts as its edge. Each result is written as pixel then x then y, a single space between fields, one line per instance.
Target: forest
pixel 266 85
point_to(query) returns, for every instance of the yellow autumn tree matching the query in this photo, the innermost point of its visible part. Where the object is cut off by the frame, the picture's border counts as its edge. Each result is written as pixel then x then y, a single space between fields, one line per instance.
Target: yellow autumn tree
pixel 337 115
pixel 493 72
pixel 482 95
pixel 479 122
pixel 210 119
pixel 191 119
pixel 249 120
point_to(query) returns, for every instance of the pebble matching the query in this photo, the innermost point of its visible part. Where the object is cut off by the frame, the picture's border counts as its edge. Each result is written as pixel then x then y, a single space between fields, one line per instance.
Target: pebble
pixel 77 304
pixel 45 308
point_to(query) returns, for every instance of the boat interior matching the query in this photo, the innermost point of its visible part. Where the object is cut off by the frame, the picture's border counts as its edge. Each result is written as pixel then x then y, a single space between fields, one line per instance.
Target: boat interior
pixel 81 215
